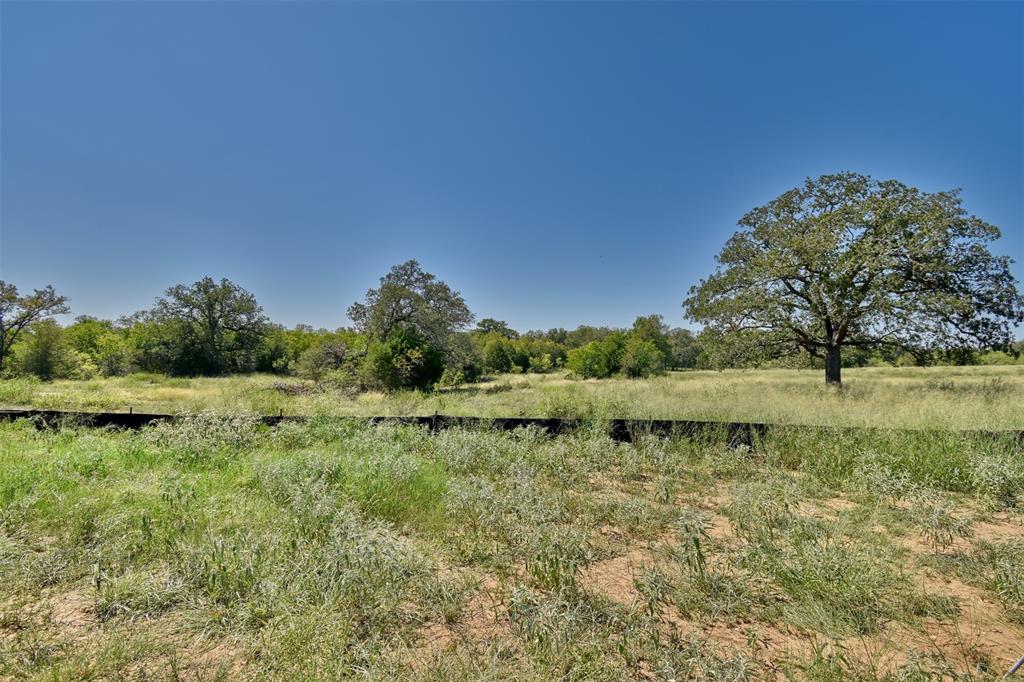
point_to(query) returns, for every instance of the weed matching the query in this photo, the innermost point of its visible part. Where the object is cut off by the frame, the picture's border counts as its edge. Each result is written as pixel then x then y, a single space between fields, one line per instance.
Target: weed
pixel 933 514
pixel 655 588
pixel 556 558
pixel 692 532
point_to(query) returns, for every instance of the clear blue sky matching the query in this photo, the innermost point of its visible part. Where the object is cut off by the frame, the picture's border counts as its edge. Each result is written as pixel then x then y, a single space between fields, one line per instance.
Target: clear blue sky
pixel 558 163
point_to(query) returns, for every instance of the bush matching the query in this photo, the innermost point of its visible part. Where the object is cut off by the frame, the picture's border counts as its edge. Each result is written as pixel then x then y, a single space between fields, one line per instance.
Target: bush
pixel 18 391
pixel 598 359
pixel 462 357
pixel 498 353
pixel 404 360
pixel 998 357
pixel 114 354
pixel 320 359
pixel 541 364
pixel 44 352
pixel 632 355
pixel 451 378
pixel 642 358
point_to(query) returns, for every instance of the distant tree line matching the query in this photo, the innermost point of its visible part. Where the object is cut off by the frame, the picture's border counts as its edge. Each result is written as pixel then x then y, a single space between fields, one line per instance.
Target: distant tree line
pixel 843 271
pixel 411 332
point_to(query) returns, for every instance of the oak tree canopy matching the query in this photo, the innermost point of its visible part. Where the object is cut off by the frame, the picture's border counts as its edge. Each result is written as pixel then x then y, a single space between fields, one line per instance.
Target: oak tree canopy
pixel 849 261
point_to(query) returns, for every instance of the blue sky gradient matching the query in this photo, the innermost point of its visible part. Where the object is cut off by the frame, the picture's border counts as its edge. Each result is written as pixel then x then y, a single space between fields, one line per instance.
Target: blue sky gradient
pixel 558 163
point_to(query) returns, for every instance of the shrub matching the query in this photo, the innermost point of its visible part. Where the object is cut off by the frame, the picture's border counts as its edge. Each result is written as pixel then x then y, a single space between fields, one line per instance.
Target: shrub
pixel 44 352
pixel 556 558
pixel 541 364
pixel 998 476
pixel 998 357
pixel 933 514
pixel 114 354
pixel 498 353
pixel 323 358
pixel 598 359
pixel 404 360
pixel 18 391
pixel 642 358
pixel 451 378
pixel 463 358
pixel 199 438
pixel 633 355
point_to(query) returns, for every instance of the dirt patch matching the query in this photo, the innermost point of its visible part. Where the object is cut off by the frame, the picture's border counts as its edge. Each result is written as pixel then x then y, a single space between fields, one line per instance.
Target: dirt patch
pixel 70 616
pixel 432 640
pixel 980 628
pixel 916 542
pixel 767 642
pixel 977 637
pixel 830 508
pixel 224 656
pixel 720 528
pixel 191 658
pixel 714 499
pixel 997 531
pixel 486 615
pixel 613 578
pixel 72 610
pixel 610 488
pixel 485 618
pixel 773 647
pixel 841 504
pixel 1001 529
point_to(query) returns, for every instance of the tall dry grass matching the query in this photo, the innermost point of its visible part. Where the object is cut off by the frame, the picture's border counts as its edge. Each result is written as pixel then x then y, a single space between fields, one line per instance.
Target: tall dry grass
pixel 990 397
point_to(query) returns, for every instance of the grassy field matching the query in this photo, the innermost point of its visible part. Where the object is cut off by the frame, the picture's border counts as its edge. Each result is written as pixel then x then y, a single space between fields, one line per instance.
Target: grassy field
pixel 936 397
pixel 217 549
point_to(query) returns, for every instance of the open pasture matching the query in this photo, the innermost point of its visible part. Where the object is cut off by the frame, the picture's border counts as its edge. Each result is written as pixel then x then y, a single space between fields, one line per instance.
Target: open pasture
pixel 988 397
pixel 217 549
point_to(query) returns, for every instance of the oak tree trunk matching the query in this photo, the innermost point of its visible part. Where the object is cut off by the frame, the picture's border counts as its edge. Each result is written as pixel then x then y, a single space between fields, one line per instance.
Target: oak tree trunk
pixel 833 366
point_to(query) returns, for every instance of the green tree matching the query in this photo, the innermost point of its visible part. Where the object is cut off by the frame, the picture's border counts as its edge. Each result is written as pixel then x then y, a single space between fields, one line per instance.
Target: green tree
pixel 642 358
pixel 584 334
pixel 489 325
pixel 156 344
pixel 333 355
pixel 463 360
pixel 410 298
pixel 18 312
pixel 847 261
pixel 214 327
pixel 44 351
pixel 653 328
pixel 107 347
pixel 539 354
pixel 409 321
pixel 684 349
pixel 84 335
pixel 598 359
pixel 498 353
pixel 114 353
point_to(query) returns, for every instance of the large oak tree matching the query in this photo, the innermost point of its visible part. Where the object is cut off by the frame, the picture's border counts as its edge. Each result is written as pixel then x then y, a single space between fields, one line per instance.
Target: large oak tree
pixel 848 261
pixel 410 297
pixel 412 322
pixel 209 327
